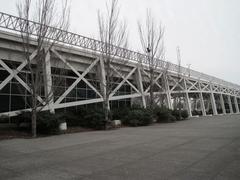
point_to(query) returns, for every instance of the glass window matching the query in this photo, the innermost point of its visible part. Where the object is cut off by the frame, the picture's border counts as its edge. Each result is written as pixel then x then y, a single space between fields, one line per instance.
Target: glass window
pixel 17 88
pixel 6 89
pixel 3 75
pixel 4 103
pixel 17 103
pixel 81 93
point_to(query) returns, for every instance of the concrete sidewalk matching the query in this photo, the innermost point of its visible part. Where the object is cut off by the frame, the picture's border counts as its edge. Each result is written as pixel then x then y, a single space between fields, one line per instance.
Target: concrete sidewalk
pixel 199 148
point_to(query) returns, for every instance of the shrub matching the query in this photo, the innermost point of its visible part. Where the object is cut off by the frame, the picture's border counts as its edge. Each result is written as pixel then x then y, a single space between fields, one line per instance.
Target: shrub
pixel 177 114
pixel 120 113
pixel 184 114
pixel 94 119
pixel 180 114
pixel 4 119
pixel 48 123
pixel 196 113
pixel 164 115
pixel 71 119
pixel 138 117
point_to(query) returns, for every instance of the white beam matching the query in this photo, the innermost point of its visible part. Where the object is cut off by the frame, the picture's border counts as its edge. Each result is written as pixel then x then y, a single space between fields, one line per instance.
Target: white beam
pixel 187 99
pixel 48 82
pixel 236 104
pixel 222 104
pixel 230 104
pixel 139 82
pixel 213 102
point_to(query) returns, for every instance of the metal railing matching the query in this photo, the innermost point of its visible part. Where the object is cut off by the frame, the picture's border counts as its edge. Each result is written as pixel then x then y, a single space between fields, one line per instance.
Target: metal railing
pixel 14 23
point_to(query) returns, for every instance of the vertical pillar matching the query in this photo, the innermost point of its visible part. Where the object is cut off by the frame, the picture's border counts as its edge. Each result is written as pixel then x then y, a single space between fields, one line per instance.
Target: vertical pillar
pixel 222 104
pixel 236 104
pixel 230 104
pixel 139 81
pixel 187 99
pixel 48 82
pixel 202 100
pixel 102 77
pixel 188 105
pixel 202 104
pixel 213 101
pixel 168 92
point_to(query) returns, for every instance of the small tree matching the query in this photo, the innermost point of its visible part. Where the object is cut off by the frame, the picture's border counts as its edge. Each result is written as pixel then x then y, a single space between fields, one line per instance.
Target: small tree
pixel 46 13
pixel 151 36
pixel 113 34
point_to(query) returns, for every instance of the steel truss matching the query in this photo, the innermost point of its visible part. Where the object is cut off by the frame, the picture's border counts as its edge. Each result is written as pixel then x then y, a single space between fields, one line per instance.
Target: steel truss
pixel 14 23
pixel 193 83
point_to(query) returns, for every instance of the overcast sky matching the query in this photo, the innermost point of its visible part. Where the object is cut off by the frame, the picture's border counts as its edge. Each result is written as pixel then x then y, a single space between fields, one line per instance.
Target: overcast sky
pixel 207 31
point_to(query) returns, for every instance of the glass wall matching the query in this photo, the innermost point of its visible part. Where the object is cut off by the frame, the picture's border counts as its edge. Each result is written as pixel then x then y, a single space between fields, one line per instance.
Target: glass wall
pixel 15 97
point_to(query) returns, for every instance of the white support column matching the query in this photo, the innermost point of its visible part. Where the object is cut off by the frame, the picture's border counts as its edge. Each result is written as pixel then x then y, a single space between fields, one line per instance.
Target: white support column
pixel 139 81
pixel 202 104
pixel 188 104
pixel 230 104
pixel 187 99
pixel 48 82
pixel 222 104
pixel 201 99
pixel 168 92
pixel 236 104
pixel 102 78
pixel 213 101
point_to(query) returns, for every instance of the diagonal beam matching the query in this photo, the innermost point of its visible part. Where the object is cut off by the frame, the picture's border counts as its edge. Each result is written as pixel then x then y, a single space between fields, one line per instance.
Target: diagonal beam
pixel 176 83
pixel 155 82
pixel 126 80
pixel 20 80
pixel 123 81
pixel 193 84
pixel 15 72
pixel 81 77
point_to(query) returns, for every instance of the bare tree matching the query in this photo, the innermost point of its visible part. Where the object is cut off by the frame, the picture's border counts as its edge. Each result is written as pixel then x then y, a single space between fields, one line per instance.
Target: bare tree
pixel 113 34
pixel 151 36
pixel 47 13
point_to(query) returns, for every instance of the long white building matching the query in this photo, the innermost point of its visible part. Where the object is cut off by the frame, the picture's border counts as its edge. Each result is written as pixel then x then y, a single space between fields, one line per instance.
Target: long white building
pixel 79 58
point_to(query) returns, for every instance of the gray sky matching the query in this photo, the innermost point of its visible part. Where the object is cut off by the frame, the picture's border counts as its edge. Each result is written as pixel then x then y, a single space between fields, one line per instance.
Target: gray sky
pixel 208 32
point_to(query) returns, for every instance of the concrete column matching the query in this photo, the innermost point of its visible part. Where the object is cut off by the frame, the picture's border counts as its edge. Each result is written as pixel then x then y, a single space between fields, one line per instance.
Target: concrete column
pixel 168 92
pixel 48 82
pixel 236 104
pixel 187 99
pixel 202 100
pixel 188 105
pixel 102 77
pixel 202 104
pixel 139 82
pixel 230 104
pixel 213 101
pixel 222 104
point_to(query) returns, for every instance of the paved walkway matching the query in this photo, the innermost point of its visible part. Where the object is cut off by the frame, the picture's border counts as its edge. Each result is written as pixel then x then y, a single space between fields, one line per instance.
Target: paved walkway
pixel 199 148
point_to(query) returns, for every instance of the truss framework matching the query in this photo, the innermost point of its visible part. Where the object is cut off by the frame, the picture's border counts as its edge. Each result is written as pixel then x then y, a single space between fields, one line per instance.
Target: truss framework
pixel 14 23
pixel 168 84
pixel 185 85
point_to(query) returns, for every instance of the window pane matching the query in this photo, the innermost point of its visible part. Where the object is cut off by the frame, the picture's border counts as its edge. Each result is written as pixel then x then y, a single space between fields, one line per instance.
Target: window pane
pixel 4 103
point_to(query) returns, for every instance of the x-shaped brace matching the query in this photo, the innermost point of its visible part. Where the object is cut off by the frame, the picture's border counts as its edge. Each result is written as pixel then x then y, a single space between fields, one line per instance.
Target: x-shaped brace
pixel 122 82
pixel 154 81
pixel 80 77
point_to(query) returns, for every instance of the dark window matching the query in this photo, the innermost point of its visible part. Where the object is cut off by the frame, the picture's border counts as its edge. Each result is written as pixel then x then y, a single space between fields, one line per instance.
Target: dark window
pixel 81 93
pixel 17 89
pixel 4 103
pixel 6 89
pixel 17 103
pixel 3 75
